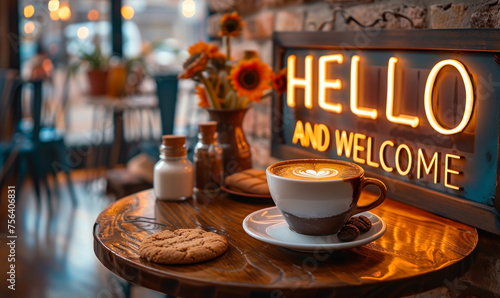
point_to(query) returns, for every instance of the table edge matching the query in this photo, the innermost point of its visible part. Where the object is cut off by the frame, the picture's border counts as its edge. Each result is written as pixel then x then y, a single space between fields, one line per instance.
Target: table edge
pixel 171 284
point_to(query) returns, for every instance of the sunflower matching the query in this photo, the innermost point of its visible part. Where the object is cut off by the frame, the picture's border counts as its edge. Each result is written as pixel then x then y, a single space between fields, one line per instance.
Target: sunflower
pixel 193 65
pixel 250 78
pixel 218 60
pixel 199 53
pixel 202 95
pixel 231 24
pixel 279 81
pixel 201 47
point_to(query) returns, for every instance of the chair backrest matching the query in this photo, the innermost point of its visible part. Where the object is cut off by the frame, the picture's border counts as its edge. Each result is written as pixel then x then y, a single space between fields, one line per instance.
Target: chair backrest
pixel 36 108
pixel 166 89
pixel 10 103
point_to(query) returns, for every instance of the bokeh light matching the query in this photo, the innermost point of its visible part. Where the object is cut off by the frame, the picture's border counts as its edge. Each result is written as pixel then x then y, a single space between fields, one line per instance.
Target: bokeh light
pixel 29 11
pixel 54 15
pixel 53 5
pixel 29 27
pixel 47 66
pixel 93 15
pixel 82 32
pixel 127 12
pixel 188 8
pixel 64 12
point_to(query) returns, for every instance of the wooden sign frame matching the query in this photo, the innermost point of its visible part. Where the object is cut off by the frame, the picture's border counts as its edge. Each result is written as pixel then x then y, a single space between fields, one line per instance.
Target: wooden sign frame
pixel 485 41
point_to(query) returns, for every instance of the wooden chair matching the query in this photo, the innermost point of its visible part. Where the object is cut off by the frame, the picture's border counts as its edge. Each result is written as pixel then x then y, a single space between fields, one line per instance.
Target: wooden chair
pixel 15 147
pixel 10 88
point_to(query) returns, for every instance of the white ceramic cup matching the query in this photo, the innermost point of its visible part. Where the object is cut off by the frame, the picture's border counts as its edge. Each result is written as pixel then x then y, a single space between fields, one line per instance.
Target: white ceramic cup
pixel 318 196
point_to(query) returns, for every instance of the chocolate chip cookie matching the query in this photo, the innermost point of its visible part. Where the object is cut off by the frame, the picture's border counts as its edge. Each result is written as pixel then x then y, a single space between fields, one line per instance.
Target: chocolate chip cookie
pixel 183 246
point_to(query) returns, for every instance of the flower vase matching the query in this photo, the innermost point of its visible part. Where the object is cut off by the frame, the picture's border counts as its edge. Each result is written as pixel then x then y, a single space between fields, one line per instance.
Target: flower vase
pixel 236 155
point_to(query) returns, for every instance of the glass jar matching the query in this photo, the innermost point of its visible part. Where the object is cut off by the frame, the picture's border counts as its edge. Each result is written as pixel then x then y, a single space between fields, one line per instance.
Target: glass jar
pixel 173 174
pixel 117 78
pixel 208 160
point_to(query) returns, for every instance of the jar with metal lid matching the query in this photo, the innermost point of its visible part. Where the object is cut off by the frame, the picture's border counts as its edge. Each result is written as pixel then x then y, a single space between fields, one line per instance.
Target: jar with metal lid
pixel 208 160
pixel 173 174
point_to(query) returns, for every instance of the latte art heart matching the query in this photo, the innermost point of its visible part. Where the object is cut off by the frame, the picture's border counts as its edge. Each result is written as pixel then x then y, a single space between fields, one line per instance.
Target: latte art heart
pixel 320 174
pixel 315 170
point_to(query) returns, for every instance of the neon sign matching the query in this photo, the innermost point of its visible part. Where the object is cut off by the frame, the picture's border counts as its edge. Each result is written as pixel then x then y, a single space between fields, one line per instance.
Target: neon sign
pixel 413 121
pixel 425 120
pixel 319 136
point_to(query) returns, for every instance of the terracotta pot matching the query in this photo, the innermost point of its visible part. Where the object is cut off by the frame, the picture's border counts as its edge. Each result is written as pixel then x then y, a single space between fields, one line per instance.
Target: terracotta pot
pixel 236 155
pixel 98 82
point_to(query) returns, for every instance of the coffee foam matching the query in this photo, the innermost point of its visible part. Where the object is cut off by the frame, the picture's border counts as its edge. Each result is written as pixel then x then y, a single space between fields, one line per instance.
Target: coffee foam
pixel 314 170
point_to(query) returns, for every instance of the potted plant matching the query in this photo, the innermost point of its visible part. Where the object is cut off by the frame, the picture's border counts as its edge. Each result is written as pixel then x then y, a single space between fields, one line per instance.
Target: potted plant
pixel 97 70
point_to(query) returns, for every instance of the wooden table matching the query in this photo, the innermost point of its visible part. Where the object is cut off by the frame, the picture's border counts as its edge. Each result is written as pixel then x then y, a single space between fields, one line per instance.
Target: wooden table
pixel 418 252
pixel 114 108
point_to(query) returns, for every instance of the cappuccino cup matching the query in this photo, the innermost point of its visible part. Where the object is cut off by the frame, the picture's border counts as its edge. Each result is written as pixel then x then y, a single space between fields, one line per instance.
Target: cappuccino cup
pixel 318 196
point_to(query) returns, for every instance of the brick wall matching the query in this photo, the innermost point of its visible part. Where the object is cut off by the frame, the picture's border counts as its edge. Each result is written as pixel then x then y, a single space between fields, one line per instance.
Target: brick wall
pixel 262 17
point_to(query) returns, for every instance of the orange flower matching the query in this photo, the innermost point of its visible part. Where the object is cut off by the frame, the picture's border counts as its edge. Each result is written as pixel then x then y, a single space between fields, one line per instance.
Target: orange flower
pixel 218 60
pixel 193 65
pixel 250 78
pixel 201 47
pixel 279 81
pixel 231 24
pixel 199 53
pixel 202 95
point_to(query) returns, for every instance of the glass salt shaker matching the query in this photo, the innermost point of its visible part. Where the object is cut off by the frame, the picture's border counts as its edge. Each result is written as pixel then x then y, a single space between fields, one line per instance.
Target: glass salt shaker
pixel 207 160
pixel 173 173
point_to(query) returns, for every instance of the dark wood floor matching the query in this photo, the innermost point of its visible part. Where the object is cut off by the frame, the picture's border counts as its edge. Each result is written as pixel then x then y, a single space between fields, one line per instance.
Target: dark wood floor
pixel 54 253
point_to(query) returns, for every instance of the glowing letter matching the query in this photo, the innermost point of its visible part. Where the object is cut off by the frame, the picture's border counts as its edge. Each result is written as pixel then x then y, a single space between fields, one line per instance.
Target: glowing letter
pixel 323 143
pixel 299 135
pixel 389 112
pixel 381 153
pixel 357 148
pixel 343 142
pixel 361 112
pixel 427 168
pixel 447 171
pixel 398 166
pixel 293 82
pixel 369 154
pixel 324 83
pixel 311 138
pixel 469 97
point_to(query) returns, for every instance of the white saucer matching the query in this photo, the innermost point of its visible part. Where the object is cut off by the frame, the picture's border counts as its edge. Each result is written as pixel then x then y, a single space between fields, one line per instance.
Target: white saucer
pixel 268 225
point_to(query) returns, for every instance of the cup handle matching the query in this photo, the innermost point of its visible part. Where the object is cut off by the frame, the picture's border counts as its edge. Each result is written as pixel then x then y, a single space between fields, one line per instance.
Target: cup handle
pixel 383 193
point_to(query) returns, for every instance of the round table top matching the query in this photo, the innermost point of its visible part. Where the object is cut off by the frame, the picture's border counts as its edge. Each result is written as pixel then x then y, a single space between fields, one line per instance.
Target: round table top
pixel 419 251
pixel 135 101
